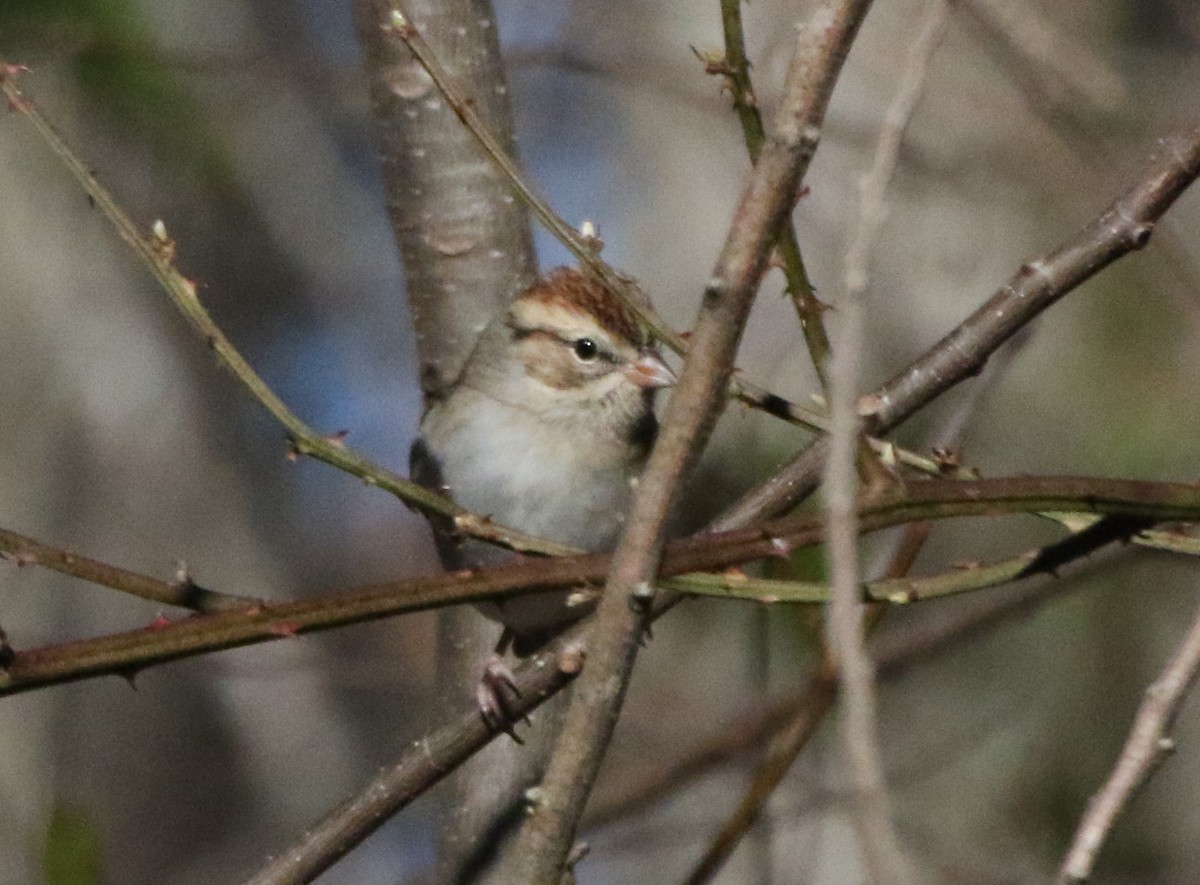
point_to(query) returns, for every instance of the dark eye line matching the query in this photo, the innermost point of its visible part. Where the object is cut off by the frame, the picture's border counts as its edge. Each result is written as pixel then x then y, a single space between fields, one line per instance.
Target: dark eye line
pixel 586 348
pixel 589 350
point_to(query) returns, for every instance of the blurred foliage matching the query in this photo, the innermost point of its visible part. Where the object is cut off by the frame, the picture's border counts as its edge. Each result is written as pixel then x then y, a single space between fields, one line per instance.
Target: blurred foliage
pixel 72 848
pixel 120 71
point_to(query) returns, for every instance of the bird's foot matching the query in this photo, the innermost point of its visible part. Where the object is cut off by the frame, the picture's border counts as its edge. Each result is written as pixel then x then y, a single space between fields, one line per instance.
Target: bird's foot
pixel 492 695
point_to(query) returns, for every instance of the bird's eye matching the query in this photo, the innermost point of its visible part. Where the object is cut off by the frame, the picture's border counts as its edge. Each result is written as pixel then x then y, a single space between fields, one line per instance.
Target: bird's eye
pixel 586 349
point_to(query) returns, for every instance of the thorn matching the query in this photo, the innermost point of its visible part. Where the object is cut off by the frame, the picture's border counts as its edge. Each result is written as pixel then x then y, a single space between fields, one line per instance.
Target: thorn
pixel 130 676
pixel 714 61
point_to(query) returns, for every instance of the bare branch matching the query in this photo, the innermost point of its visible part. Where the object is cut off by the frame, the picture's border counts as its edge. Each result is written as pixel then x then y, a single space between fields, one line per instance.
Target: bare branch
pixel 427 762
pixel 735 67
pixel 546 837
pixel 126 654
pixel 877 838
pixel 1148 745
pixel 1125 226
pixel 157 251
pixel 182 592
pixel 466 246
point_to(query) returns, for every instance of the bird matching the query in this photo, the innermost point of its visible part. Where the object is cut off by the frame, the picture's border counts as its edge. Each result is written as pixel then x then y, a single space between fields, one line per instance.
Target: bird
pixel 545 430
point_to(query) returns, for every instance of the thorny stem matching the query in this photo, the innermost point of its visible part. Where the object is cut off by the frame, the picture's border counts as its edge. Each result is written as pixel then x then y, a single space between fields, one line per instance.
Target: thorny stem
pixel 1125 226
pixel 157 252
pixel 735 67
pixel 545 840
pixel 182 592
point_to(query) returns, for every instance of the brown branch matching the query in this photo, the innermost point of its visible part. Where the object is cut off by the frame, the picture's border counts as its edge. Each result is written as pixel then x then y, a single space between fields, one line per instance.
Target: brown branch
pixel 467 248
pixel 546 837
pixel 420 767
pixel 128 653
pixel 1148 745
pixel 894 657
pixel 1125 226
pixel 818 697
pixel 431 758
pixel 182 592
pixel 812 705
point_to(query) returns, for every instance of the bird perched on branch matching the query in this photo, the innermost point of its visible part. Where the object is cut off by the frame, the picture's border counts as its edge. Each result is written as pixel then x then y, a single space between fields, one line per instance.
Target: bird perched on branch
pixel 546 431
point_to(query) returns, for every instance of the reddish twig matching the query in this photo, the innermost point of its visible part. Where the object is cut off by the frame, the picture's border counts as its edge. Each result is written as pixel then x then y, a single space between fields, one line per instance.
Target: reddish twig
pixel 128 653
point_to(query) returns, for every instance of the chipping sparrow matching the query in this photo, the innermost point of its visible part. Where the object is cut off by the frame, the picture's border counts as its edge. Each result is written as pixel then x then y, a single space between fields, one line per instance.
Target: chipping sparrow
pixel 545 430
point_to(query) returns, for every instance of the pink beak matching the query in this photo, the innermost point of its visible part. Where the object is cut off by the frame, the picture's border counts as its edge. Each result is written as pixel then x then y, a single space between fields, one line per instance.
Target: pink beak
pixel 649 371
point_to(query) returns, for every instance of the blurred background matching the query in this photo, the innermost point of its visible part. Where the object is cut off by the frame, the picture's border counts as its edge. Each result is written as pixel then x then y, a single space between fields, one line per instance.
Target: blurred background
pixel 244 126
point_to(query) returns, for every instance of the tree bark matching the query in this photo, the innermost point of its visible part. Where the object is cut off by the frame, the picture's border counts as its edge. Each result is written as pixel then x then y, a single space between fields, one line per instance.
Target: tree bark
pixel 466 246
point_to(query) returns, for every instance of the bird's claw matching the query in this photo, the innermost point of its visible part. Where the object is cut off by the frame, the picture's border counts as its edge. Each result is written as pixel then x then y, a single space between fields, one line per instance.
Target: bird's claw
pixel 491 694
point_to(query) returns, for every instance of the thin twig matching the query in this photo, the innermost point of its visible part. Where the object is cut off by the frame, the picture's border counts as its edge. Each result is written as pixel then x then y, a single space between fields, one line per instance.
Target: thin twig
pixel 818 694
pixel 1125 226
pixel 157 251
pixel 546 837
pixel 182 592
pixel 1148 745
pixel 1073 93
pixel 794 732
pixel 431 758
pixel 878 841
pixel 735 67
pixel 25 552
pixel 547 834
pixel 892 660
pixel 583 249
pixel 420 767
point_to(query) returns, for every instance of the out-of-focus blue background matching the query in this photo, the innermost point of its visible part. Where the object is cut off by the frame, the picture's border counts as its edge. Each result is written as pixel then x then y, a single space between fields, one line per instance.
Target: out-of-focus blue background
pixel 244 126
